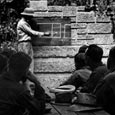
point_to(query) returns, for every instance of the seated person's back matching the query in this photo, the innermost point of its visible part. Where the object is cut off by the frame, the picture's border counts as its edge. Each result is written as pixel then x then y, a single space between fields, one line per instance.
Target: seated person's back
pixel 82 72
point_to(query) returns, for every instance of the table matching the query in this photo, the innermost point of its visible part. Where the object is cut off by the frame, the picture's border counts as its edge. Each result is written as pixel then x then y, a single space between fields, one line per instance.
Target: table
pixel 64 110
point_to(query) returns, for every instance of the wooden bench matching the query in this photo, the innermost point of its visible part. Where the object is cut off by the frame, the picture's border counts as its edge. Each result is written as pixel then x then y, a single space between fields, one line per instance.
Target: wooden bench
pixel 58 109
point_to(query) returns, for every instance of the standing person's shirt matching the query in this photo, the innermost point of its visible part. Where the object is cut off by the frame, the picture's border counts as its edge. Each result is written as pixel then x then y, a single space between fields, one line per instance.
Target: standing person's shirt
pixel 79 77
pixel 24 31
pixel 15 98
pixel 97 74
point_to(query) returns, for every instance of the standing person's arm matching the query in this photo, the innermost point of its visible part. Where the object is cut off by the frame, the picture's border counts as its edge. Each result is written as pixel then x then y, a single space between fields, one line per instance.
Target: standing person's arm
pixel 26 27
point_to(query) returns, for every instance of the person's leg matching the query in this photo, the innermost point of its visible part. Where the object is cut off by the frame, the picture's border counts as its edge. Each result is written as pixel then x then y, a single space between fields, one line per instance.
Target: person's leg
pixel 26 47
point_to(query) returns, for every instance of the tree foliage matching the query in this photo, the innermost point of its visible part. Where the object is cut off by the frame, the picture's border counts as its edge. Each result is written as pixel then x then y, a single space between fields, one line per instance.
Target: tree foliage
pixel 67 2
pixel 9 15
pixel 101 4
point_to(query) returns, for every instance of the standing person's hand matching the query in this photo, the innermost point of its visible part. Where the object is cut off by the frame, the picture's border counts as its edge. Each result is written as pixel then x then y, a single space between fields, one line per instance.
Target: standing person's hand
pixel 47 33
pixel 40 34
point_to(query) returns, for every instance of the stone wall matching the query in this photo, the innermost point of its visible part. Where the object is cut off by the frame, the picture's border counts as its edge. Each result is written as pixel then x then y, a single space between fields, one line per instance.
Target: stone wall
pixel 54 60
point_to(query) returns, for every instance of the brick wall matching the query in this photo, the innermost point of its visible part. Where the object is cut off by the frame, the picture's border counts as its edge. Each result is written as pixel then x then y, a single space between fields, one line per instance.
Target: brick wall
pixel 54 56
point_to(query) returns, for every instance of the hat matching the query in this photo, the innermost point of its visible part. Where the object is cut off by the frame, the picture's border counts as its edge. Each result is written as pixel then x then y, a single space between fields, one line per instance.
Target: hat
pixel 28 12
pixel 63 94
pixel 63 89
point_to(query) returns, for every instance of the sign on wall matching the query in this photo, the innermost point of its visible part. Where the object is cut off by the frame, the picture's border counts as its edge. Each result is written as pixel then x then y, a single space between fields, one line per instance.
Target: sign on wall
pixel 59 28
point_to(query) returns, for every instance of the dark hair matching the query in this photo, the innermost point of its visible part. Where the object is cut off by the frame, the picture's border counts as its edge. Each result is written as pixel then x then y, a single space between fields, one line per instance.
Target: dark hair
pixel 19 61
pixel 112 52
pixel 79 60
pixel 82 49
pixel 94 52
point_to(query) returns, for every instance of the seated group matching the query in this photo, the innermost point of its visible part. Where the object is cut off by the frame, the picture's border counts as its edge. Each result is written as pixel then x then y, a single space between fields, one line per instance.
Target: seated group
pixel 90 76
pixel 94 77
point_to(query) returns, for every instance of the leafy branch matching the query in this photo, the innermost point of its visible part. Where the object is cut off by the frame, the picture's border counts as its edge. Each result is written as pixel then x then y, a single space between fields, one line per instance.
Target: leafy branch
pixel 9 15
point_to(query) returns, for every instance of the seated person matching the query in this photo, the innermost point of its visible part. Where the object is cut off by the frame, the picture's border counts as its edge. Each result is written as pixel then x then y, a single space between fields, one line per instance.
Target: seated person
pixel 94 55
pixel 15 98
pixel 105 91
pixel 81 74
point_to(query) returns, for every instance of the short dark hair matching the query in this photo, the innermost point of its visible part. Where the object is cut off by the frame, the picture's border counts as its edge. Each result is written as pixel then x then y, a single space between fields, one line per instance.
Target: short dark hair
pixel 8 52
pixel 19 61
pixel 94 52
pixel 79 60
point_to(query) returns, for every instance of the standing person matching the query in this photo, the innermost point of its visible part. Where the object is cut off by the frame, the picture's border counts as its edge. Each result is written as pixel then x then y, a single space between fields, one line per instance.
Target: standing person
pixel 105 91
pixel 25 33
pixel 15 98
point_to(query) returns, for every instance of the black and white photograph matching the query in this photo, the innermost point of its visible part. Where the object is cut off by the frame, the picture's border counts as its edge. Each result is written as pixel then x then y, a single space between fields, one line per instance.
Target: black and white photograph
pixel 57 57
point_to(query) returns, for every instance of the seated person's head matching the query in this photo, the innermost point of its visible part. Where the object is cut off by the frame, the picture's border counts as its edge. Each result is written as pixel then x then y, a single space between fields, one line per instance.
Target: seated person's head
pixel 19 64
pixel 82 49
pixel 111 59
pixel 3 63
pixel 93 54
pixel 79 60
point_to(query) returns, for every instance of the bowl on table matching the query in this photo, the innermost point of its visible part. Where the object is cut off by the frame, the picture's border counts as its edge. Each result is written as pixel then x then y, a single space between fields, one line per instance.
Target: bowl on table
pixel 63 94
